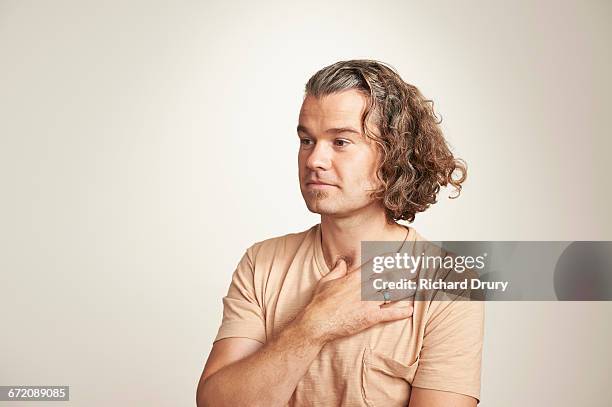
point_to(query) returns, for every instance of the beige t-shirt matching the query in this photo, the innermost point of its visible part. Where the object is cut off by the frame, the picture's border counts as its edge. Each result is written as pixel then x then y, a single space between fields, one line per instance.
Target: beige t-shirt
pixel 439 348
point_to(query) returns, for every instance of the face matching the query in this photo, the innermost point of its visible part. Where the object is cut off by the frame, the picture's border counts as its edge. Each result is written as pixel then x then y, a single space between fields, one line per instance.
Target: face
pixel 337 164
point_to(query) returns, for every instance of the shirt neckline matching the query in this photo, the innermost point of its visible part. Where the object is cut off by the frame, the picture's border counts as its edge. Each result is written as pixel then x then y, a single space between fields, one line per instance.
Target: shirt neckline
pixel 318 249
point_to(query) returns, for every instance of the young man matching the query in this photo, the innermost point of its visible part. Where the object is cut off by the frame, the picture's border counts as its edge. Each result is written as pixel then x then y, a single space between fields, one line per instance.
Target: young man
pixel 295 329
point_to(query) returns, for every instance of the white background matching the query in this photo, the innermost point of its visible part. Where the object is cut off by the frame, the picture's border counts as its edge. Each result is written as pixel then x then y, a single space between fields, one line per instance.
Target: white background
pixel 144 145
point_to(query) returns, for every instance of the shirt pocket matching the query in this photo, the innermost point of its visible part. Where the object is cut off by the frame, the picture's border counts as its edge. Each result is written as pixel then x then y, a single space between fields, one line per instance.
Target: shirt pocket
pixel 386 381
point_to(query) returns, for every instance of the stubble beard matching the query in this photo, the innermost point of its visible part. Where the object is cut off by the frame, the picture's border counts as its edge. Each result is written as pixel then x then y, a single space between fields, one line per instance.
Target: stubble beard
pixel 315 201
pixel 319 195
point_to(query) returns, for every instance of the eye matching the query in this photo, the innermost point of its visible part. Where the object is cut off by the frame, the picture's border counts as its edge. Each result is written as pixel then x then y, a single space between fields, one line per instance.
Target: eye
pixel 305 141
pixel 341 143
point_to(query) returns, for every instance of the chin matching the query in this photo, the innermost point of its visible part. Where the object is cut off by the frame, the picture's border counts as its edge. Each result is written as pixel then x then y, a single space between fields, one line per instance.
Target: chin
pixel 331 207
pixel 325 208
pixel 316 206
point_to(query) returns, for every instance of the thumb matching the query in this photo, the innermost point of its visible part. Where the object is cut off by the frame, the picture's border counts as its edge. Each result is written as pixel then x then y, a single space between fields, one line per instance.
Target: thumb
pixel 339 270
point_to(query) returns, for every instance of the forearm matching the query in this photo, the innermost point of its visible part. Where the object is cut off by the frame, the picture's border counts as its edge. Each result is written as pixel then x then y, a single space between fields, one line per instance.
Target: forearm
pixel 282 361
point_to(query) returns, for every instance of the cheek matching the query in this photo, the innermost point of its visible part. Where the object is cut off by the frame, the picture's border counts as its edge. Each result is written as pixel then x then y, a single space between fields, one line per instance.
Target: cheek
pixel 301 160
pixel 365 166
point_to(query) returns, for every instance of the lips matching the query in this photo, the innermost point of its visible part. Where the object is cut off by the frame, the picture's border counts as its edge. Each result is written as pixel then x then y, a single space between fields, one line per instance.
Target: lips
pixel 319 183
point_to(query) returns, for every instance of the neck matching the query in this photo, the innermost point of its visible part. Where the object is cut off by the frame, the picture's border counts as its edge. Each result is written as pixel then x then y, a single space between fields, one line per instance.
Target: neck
pixel 342 236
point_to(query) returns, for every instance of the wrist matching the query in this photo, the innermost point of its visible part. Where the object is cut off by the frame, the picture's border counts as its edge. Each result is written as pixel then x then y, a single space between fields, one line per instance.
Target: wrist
pixel 310 331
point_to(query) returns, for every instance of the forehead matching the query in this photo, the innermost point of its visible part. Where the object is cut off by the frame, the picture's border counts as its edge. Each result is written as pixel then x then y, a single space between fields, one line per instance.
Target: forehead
pixel 336 109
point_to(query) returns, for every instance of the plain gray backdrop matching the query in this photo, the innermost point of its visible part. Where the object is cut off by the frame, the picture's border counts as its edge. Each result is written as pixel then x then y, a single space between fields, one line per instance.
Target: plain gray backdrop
pixel 144 145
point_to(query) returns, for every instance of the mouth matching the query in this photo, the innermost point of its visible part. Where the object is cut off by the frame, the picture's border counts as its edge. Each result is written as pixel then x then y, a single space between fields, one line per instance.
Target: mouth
pixel 319 185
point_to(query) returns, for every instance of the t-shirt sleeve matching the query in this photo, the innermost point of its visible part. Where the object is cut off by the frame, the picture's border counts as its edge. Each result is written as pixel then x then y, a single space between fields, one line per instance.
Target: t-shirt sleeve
pixel 242 311
pixel 450 358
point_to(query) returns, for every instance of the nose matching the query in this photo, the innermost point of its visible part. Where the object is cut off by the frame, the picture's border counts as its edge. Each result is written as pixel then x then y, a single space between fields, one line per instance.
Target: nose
pixel 319 157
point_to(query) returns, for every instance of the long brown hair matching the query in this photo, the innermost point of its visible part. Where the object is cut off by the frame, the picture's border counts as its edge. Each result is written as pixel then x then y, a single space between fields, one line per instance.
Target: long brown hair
pixel 416 159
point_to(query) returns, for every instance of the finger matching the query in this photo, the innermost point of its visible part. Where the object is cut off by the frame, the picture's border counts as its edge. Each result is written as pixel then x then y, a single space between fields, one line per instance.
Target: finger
pixel 357 268
pixel 370 293
pixel 395 313
pixel 338 271
pixel 399 304
pixel 391 297
pixel 376 292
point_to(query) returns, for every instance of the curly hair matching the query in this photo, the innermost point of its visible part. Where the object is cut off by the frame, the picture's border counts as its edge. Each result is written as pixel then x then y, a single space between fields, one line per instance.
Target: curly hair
pixel 416 160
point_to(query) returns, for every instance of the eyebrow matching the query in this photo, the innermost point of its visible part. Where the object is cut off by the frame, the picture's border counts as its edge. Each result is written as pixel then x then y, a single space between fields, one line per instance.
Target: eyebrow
pixel 333 130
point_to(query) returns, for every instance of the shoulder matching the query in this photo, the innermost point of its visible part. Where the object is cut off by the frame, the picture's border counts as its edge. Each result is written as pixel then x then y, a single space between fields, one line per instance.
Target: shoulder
pixel 290 242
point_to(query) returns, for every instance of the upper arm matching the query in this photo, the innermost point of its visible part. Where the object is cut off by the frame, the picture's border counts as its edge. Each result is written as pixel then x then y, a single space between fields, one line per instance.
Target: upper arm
pixel 451 353
pixel 437 398
pixel 243 313
pixel 225 352
pixel 242 331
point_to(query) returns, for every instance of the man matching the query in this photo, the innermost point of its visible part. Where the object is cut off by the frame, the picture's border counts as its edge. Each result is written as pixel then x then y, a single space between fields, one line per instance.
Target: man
pixel 295 329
